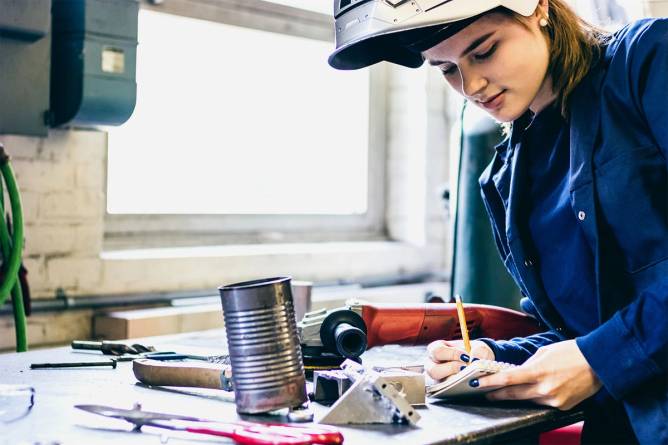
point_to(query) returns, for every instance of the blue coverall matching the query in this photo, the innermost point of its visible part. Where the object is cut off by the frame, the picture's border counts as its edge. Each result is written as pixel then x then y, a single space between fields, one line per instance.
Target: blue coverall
pixel 617 188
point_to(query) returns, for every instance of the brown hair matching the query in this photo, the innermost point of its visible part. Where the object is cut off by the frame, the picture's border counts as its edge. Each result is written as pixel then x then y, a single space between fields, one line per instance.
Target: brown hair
pixel 575 46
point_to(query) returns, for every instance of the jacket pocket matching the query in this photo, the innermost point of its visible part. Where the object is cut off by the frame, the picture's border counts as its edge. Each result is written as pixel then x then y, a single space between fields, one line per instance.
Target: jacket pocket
pixel 632 193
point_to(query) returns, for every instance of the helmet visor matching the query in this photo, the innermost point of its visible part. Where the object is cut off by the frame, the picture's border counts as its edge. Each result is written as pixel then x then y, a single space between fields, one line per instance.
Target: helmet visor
pixel 397 31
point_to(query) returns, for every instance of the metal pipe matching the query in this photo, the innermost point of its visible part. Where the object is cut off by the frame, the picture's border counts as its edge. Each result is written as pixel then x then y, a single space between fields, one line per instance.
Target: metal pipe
pixel 63 302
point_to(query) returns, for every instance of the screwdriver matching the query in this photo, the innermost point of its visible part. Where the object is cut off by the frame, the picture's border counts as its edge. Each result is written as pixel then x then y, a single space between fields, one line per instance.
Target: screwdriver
pixel 111 363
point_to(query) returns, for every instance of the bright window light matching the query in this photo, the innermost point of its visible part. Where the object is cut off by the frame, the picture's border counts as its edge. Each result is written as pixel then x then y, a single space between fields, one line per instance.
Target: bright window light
pixel 324 6
pixel 611 14
pixel 231 120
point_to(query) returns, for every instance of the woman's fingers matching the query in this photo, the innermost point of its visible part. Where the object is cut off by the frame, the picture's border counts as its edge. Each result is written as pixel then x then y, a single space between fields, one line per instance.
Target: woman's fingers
pixel 448 357
pixel 439 371
pixel 479 349
pixel 522 375
pixel 516 392
pixel 443 351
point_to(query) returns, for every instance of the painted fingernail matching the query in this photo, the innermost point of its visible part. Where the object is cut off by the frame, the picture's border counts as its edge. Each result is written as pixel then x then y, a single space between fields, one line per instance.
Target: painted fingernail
pixel 461 368
pixel 464 358
pixel 474 359
pixel 474 383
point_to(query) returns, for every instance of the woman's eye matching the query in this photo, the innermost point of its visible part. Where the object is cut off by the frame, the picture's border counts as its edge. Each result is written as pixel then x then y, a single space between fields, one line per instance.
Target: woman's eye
pixel 487 54
pixel 448 70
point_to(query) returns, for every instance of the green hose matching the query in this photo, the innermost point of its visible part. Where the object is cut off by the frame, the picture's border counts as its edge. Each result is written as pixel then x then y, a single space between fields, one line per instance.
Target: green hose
pixel 12 249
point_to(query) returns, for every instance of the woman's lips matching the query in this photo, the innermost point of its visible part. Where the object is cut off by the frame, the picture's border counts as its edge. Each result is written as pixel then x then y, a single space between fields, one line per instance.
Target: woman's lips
pixel 494 102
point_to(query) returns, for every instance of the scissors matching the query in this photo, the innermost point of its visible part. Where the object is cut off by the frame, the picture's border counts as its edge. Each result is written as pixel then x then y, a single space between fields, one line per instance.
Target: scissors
pixel 245 433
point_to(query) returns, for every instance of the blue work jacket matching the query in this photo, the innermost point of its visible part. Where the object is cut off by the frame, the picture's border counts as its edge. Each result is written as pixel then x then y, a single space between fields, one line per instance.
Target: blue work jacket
pixel 618 183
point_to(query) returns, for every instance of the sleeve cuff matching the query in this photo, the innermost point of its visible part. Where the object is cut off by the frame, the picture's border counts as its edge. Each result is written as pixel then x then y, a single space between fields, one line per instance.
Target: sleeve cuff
pixel 494 347
pixel 616 357
pixel 506 351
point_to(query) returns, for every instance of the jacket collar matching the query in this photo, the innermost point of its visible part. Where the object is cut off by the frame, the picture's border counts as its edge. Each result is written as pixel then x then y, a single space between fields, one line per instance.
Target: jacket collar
pixel 584 129
pixel 585 119
pixel 584 124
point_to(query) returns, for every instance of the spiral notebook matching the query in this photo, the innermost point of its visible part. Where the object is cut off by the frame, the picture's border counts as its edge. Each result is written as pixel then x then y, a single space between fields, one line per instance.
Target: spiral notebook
pixel 457 385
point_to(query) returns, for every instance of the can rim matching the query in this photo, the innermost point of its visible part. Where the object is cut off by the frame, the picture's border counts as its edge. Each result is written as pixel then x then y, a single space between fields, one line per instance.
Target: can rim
pixel 254 283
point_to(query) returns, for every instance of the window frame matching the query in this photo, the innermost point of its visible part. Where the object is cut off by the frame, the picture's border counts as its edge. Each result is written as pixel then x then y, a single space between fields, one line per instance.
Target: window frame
pixel 157 230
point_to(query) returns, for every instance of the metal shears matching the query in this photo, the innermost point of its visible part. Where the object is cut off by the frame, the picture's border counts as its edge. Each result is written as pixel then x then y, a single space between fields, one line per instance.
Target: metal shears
pixel 246 433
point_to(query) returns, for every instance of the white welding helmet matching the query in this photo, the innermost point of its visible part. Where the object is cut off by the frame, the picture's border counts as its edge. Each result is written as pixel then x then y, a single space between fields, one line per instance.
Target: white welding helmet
pixel 369 31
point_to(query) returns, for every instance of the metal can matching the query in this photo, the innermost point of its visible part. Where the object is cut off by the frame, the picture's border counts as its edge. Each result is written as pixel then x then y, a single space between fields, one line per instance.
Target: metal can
pixel 266 359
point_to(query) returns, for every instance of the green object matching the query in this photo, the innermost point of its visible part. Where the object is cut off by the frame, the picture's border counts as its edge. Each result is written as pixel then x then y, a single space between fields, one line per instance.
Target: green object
pixel 93 62
pixel 11 246
pixel 25 48
pixel 478 274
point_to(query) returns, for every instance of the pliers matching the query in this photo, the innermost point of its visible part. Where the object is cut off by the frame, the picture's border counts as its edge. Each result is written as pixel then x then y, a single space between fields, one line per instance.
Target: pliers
pixel 125 353
pixel 247 433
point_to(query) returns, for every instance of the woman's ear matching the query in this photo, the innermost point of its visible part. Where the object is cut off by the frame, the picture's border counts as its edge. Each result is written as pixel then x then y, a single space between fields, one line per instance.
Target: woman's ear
pixel 542 14
pixel 543 9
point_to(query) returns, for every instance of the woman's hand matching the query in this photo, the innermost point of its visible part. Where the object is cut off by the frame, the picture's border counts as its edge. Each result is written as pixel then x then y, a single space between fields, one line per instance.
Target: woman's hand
pixel 557 375
pixel 449 357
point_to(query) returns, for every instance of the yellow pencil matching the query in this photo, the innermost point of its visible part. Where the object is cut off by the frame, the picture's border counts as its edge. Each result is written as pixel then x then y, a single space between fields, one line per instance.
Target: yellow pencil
pixel 462 325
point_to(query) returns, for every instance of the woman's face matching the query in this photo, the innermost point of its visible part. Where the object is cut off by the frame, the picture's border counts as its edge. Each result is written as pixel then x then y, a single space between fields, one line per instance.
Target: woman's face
pixel 498 64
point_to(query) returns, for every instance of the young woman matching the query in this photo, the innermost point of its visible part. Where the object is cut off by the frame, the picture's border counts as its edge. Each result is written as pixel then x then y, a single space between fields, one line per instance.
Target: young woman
pixel 577 194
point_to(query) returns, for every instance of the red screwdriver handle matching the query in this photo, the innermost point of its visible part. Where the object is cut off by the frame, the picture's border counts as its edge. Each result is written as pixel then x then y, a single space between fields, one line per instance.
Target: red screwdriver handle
pixel 321 434
pixel 246 436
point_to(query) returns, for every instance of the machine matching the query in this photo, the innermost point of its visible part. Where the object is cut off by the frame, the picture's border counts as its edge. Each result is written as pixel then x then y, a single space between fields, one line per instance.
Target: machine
pixel 348 331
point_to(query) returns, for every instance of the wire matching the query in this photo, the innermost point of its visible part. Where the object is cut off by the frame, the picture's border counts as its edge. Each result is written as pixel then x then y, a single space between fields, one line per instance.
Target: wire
pixel 455 213
pixel 11 246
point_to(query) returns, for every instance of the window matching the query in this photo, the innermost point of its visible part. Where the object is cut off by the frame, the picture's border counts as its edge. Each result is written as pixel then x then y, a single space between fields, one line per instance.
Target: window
pixel 323 6
pixel 240 131
pixel 609 13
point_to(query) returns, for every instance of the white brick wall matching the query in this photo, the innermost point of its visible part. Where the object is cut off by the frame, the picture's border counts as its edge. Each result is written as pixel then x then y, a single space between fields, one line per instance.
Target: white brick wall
pixel 63 206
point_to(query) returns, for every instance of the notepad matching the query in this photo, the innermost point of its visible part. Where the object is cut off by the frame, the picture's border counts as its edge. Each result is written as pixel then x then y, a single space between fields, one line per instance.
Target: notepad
pixel 457 385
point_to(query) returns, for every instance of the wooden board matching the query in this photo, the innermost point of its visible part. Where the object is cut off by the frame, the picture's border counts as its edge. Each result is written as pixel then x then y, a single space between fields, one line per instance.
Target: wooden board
pixel 157 321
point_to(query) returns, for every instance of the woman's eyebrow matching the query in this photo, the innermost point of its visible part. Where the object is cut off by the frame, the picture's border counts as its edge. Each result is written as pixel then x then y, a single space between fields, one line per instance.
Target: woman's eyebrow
pixel 476 43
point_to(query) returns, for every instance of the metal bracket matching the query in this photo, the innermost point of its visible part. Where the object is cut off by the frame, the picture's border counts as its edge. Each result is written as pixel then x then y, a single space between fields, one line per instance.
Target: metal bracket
pixel 396 3
pixel 329 386
pixel 372 398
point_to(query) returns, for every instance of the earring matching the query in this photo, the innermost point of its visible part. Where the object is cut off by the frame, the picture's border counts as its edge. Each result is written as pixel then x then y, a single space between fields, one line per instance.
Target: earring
pixel 543 22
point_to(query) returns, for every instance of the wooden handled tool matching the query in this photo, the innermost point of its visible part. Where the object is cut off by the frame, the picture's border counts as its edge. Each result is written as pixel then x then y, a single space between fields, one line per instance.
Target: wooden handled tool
pixel 189 374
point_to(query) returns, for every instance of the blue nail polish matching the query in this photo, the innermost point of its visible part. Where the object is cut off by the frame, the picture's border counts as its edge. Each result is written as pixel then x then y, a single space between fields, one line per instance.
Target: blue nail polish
pixel 464 358
pixel 474 383
pixel 474 359
pixel 461 368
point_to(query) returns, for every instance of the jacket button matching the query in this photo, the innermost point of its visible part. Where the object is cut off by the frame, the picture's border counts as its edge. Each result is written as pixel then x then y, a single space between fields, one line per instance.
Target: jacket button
pixel 528 262
pixel 582 215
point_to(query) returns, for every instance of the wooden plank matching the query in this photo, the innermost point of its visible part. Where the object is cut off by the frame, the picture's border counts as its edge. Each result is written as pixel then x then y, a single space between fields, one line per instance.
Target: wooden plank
pixel 48 328
pixel 157 321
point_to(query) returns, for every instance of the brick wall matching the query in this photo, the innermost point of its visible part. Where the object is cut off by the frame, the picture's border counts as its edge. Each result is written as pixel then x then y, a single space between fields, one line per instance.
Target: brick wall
pixel 61 179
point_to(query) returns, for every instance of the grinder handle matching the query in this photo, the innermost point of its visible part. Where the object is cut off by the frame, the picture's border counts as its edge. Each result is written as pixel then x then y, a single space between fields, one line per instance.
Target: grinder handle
pixel 188 374
pixel 417 324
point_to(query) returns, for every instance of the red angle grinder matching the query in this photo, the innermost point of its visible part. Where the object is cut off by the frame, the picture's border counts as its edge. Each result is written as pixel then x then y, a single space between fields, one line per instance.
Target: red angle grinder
pixel 327 337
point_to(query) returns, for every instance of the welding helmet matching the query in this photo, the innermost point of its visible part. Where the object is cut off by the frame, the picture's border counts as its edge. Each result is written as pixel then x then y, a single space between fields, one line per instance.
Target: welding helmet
pixel 369 31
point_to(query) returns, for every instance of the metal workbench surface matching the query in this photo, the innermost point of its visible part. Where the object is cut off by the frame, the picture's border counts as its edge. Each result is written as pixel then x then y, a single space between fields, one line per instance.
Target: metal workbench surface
pixel 54 420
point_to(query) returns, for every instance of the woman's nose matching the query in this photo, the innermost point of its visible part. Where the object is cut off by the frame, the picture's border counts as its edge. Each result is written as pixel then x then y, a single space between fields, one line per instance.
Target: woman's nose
pixel 472 83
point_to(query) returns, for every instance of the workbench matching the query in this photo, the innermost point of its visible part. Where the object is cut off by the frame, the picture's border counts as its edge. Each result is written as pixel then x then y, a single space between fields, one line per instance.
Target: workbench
pixel 54 420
